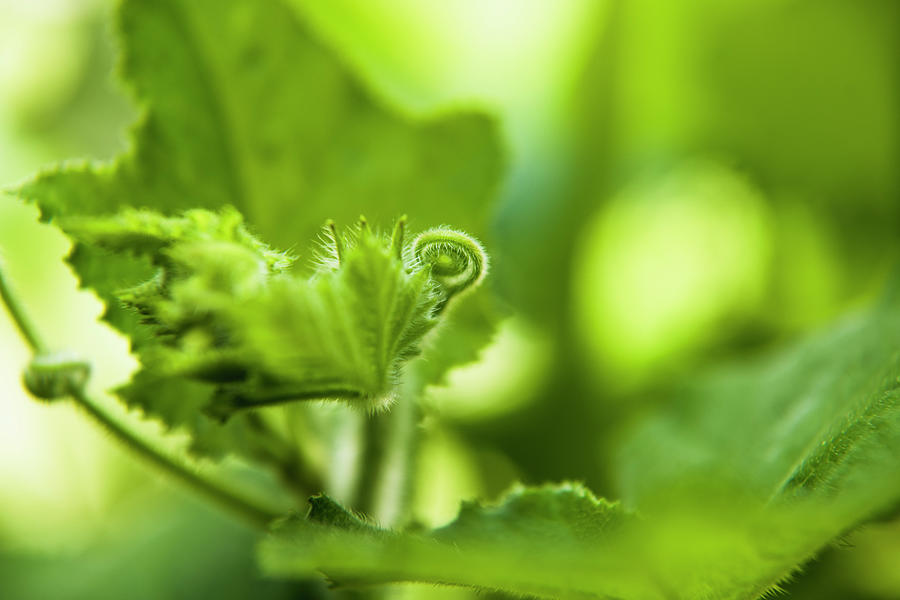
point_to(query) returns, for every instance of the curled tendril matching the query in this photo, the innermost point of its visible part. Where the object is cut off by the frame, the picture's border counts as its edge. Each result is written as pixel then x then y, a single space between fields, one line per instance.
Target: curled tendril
pixel 457 261
pixel 55 376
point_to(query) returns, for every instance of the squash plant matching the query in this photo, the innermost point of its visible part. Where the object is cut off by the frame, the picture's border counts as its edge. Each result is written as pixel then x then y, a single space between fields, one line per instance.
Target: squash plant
pixel 254 140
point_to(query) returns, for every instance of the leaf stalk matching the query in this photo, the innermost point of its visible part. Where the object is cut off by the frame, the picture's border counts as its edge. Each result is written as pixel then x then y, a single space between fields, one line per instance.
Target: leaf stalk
pixel 229 499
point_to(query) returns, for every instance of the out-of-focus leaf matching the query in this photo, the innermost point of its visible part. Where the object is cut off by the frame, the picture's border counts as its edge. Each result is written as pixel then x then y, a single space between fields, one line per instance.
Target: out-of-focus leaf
pixel 805 93
pixel 244 108
pixel 468 325
pixel 146 561
pixel 740 480
pixel 807 440
pixel 790 425
pixel 549 542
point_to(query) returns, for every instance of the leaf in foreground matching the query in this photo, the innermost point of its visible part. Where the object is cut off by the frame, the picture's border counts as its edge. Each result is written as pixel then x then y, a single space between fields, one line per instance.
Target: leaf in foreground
pixel 739 480
pixel 806 440
pixel 553 541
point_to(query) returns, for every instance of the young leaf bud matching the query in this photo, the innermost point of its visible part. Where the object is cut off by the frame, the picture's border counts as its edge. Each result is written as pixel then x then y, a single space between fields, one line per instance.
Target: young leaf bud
pixel 57 375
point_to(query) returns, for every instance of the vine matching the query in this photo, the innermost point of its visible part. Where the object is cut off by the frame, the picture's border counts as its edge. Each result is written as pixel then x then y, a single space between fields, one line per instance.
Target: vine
pixel 54 376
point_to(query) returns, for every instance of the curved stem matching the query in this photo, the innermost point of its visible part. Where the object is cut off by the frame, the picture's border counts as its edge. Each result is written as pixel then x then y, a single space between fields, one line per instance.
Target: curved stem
pixel 230 499
pixel 19 317
pixel 217 491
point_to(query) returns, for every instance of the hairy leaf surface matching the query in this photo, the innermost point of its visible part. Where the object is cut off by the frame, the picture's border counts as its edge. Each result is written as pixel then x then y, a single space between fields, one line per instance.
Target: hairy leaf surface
pixel 807 441
pixel 739 480
pixel 343 334
pixel 549 542
pixel 223 311
pixel 243 108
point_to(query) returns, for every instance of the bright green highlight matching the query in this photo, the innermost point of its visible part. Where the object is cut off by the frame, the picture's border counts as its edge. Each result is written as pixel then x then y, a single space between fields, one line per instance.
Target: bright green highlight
pixel 667 263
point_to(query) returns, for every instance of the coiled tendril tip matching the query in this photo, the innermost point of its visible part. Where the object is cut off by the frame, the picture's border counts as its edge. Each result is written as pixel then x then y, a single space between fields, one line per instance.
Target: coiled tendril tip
pixel 455 260
pixel 458 261
pixel 55 376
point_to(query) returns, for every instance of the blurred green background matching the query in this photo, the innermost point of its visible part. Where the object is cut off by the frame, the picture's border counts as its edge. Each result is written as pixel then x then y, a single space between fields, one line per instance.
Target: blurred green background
pixel 688 182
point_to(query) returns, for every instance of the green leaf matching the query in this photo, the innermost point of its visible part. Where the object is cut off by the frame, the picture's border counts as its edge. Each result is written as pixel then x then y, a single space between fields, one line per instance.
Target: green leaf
pixel 243 107
pixel 224 312
pixel 148 233
pixel 180 402
pixel 549 542
pixel 205 262
pixel 742 478
pixel 788 425
pixel 467 326
pixel 326 511
pixel 806 442
pixel 345 334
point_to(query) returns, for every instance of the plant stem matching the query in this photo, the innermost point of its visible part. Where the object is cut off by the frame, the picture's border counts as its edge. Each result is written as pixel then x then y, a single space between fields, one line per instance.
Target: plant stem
pixel 289 464
pixel 387 473
pixel 217 491
pixel 375 432
pixel 19 317
pixel 400 471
